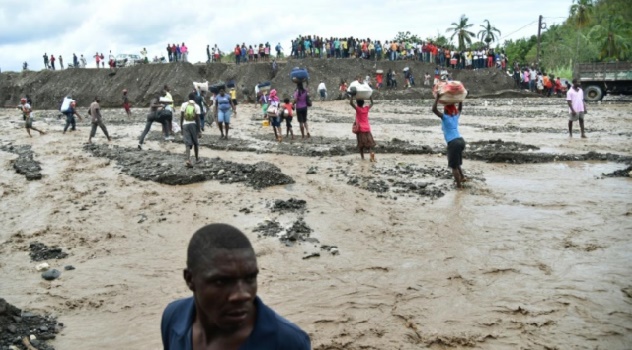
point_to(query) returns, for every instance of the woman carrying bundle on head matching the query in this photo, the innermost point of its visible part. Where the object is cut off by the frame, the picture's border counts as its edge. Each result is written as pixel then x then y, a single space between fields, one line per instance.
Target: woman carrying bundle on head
pixel 362 128
pixel 302 101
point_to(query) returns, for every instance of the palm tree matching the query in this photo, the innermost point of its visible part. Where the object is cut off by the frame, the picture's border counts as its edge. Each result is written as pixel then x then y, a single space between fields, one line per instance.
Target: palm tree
pixel 460 30
pixel 613 37
pixel 487 33
pixel 580 14
pixel 581 11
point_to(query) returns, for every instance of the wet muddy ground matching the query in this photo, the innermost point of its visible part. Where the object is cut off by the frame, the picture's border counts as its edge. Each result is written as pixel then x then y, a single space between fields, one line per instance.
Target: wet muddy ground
pixel 534 253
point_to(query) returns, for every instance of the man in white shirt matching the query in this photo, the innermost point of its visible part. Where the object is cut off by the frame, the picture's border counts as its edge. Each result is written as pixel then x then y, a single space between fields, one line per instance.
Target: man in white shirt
pixel 190 125
pixel 577 107
pixel 257 93
pixel 322 90
pixel 533 78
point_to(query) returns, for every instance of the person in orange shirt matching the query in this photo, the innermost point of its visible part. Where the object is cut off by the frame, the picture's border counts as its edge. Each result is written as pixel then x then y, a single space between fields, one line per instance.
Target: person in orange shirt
pixel 548 85
pixel 287 108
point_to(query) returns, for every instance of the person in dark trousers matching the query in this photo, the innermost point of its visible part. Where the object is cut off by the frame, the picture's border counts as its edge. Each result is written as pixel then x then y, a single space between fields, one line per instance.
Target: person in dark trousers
pixel 224 311
pixel 95 112
pixel 191 128
pixel 456 144
pixel 70 117
pixel 45 61
pixel 157 113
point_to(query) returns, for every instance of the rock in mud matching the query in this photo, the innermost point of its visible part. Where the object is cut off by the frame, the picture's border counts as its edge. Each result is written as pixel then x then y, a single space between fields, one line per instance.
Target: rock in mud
pixel 39 252
pixel 269 228
pixel 19 325
pixel 289 205
pixel 51 275
pixel 408 179
pixel 25 164
pixel 627 172
pixel 168 168
pixel 299 231
pixel 499 151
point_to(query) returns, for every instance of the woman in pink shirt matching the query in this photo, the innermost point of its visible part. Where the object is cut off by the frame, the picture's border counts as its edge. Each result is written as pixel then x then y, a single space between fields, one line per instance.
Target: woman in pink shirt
pixel 362 128
pixel 185 53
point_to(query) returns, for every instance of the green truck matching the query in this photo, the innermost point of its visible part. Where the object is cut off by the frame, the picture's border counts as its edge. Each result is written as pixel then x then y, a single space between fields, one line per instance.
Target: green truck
pixel 599 79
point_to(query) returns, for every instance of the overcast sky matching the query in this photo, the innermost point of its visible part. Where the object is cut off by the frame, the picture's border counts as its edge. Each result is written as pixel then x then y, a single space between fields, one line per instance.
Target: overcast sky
pixel 30 28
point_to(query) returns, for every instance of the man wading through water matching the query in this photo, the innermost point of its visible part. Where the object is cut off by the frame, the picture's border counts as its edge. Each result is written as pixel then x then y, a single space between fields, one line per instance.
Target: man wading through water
pixel 157 113
pixel 456 144
pixel 95 112
pixel 225 312
pixel 191 129
pixel 25 106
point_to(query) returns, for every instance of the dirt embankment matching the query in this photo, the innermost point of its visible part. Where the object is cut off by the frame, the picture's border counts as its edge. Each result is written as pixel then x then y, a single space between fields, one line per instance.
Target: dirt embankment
pixel 47 88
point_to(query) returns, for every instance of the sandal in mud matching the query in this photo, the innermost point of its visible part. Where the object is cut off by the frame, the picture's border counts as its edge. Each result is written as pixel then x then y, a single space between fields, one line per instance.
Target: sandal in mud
pixel 188 164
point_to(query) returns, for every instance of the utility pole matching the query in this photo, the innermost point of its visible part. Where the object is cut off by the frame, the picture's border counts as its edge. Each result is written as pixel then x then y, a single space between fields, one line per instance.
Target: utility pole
pixel 537 57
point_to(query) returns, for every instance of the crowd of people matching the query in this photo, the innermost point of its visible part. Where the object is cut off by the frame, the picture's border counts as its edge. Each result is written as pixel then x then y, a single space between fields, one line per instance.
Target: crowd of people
pixel 332 47
pixel 252 53
pixel 534 80
pixel 425 51
pixel 177 53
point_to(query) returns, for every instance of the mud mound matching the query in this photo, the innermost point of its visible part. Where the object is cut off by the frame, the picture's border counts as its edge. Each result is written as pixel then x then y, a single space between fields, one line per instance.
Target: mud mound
pixel 500 145
pixel 289 205
pixel 314 147
pixel 16 328
pixel 25 164
pixel 299 231
pixel 627 172
pixel 48 88
pixel 168 168
pixel 268 228
pixel 39 252
pixel 402 180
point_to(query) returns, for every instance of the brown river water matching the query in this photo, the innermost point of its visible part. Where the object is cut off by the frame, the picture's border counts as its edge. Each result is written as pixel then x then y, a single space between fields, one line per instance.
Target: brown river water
pixel 530 256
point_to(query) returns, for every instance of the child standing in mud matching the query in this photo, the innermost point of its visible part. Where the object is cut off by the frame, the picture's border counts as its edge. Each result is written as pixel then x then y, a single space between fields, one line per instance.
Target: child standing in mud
pixel 362 128
pixel 456 144
pixel 288 115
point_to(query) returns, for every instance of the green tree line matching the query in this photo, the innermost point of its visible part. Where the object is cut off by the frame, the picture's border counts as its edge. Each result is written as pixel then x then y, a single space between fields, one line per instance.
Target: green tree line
pixel 595 31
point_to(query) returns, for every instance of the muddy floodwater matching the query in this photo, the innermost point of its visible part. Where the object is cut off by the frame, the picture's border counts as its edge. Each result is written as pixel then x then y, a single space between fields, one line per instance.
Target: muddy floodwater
pixel 534 253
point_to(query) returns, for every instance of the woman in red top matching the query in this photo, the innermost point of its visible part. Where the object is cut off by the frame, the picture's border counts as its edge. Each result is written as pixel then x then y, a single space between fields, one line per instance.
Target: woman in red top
pixel 363 134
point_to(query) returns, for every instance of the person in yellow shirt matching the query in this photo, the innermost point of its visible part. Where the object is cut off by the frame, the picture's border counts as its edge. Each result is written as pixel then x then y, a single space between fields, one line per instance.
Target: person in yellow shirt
pixel 233 96
pixel 345 53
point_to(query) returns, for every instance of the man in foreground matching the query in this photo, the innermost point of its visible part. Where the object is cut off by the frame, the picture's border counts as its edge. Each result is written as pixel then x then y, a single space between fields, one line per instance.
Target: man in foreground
pixel 225 312
pixel 456 144
pixel 577 107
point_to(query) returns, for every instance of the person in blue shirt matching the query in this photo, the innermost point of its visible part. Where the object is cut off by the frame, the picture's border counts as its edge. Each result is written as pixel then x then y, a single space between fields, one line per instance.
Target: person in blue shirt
pixel 224 311
pixel 456 144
